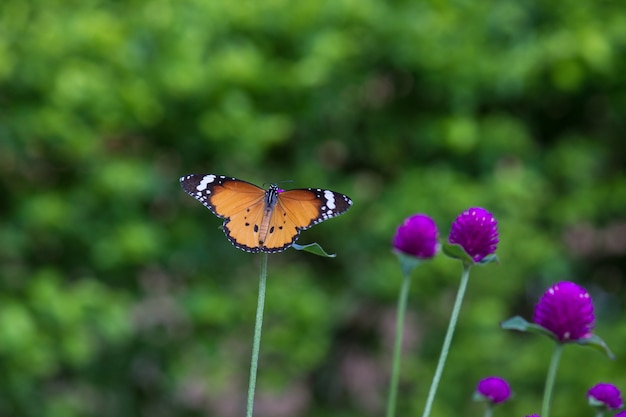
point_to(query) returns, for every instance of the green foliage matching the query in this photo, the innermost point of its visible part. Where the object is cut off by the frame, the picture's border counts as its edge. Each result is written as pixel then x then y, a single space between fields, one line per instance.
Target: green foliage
pixel 120 296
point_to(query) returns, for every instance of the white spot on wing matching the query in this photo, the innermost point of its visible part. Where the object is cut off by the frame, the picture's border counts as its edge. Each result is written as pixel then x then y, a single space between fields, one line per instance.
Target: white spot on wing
pixel 330 199
pixel 208 179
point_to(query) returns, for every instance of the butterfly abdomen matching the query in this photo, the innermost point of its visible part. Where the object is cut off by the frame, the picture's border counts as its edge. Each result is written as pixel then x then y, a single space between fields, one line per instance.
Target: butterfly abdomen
pixel 270 204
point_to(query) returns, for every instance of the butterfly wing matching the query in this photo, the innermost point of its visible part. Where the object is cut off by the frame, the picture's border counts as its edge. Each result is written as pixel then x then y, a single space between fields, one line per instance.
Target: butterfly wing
pixel 240 203
pixel 243 205
pixel 300 209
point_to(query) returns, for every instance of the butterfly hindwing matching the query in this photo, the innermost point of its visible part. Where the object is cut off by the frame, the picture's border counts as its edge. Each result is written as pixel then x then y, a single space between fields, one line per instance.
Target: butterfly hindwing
pixel 258 220
pixel 288 216
pixel 242 228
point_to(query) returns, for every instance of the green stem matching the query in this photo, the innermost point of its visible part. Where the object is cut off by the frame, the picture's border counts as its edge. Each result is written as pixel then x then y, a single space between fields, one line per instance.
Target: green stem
pixel 547 393
pixel 397 349
pixel 489 410
pixel 448 339
pixel 256 344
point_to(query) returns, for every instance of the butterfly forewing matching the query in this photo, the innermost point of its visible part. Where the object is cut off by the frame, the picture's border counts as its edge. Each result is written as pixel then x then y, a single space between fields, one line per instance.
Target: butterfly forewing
pixel 315 204
pixel 234 197
pixel 222 195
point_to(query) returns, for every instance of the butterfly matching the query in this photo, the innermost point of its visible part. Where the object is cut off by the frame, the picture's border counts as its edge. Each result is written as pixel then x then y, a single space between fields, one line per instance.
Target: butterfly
pixel 259 220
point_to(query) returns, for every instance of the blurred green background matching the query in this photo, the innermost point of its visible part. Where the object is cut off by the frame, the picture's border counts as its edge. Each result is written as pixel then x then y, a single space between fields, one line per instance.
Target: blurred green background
pixel 119 295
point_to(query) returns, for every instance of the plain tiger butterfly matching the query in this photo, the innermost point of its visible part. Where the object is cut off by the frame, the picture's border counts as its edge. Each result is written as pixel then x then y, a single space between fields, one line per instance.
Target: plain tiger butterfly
pixel 259 220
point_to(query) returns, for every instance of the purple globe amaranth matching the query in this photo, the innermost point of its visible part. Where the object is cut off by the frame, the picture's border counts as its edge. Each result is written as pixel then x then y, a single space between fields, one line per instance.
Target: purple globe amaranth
pixel 534 415
pixel 496 389
pixel 417 236
pixel 621 414
pixel 476 230
pixel 566 309
pixel 607 394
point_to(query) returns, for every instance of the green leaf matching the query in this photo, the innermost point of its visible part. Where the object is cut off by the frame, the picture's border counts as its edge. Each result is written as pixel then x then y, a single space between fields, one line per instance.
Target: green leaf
pixel 522 325
pixel 596 343
pixel 595 403
pixel 456 251
pixel 478 397
pixel 489 259
pixel 515 323
pixel 314 248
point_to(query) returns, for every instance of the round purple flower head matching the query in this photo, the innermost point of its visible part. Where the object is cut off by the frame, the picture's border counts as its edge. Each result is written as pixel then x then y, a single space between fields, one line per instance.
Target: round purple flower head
pixel 534 415
pixel 566 309
pixel 496 389
pixel 476 230
pixel 607 394
pixel 417 237
pixel 621 414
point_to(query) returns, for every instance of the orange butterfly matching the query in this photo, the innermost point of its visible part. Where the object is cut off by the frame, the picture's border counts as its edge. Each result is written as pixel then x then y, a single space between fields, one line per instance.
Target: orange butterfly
pixel 258 220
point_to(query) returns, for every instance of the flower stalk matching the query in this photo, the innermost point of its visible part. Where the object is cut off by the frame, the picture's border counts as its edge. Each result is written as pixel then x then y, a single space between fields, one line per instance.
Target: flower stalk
pixel 397 349
pixel 447 340
pixel 550 378
pixel 256 344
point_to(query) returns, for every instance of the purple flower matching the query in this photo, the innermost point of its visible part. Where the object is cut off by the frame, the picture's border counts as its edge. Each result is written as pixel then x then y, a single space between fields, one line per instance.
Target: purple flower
pixel 534 415
pixel 476 230
pixel 495 389
pixel 417 237
pixel 566 309
pixel 621 414
pixel 607 394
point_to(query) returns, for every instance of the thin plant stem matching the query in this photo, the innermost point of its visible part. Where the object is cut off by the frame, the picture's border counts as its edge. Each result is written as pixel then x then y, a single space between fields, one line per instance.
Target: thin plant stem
pixel 489 410
pixel 547 393
pixel 397 349
pixel 447 340
pixel 258 326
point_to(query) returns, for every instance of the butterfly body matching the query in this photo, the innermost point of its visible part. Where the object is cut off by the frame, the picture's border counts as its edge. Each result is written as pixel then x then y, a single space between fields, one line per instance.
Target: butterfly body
pixel 259 220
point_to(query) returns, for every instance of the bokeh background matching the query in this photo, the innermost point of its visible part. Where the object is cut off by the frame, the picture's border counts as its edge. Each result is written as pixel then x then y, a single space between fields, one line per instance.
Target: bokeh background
pixel 119 295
